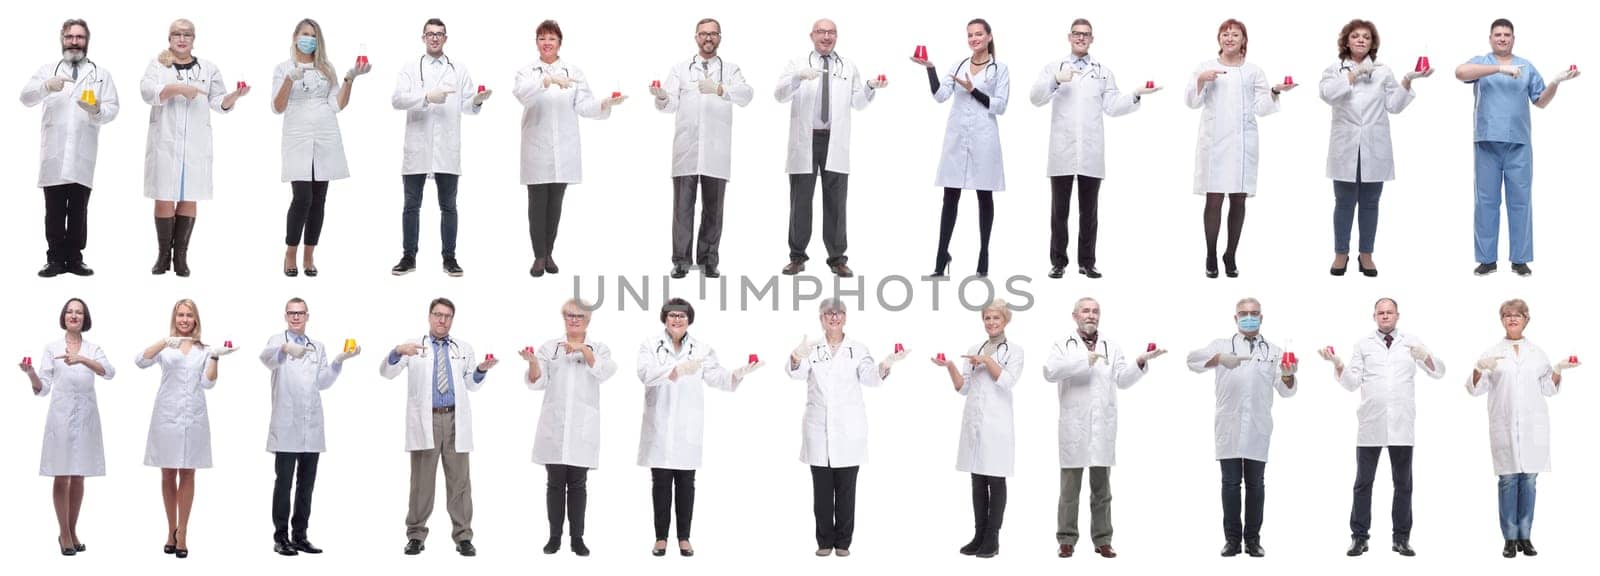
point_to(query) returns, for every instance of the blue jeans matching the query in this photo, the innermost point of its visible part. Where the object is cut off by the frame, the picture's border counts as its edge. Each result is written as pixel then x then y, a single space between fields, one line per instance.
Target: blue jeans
pixel 1346 195
pixel 1516 505
pixel 1495 163
pixel 409 217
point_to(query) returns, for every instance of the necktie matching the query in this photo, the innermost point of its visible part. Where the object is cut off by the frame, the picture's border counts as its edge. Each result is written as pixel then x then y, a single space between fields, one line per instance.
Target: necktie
pixel 1388 339
pixel 74 72
pixel 441 368
pixel 827 103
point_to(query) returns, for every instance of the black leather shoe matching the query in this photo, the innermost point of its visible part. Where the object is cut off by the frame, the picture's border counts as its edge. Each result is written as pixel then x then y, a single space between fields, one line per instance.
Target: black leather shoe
pixel 578 547
pixel 1089 271
pixel 452 269
pixel 685 549
pixel 841 270
pixel 971 549
pixel 407 265
pixel 1358 546
pixel 1339 271
pixel 306 546
pixel 1254 549
pixel 78 269
pixel 413 547
pixel 311 272
pixel 1526 548
pixel 710 271
pixel 283 548
pixel 169 548
pixel 794 267
pixel 291 272
pixel 1510 551
pixel 680 270
pixel 52 270
pixel 550 265
pixel 1404 548
pixel 554 545
pixel 1368 272
pixel 1231 549
pixel 660 548
pixel 1521 269
pixel 465 548
pixel 67 550
pixel 1058 271
pixel 1484 269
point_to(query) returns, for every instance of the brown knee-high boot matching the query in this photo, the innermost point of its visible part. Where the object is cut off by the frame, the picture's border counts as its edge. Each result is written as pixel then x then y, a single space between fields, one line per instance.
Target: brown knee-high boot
pixel 182 228
pixel 163 245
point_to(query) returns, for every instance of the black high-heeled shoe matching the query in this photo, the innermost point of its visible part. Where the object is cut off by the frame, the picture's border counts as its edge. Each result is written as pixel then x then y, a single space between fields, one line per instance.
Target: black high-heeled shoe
pixel 67 550
pixel 1368 272
pixel 1341 270
pixel 179 552
pixel 171 548
pixel 1211 266
pixel 941 264
pixel 80 547
pixel 1229 267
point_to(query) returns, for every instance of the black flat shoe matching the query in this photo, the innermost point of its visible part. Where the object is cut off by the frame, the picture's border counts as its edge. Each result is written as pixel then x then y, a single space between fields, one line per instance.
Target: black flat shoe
pixel 662 551
pixel 1510 551
pixel 685 552
pixel 679 270
pixel 53 269
pixel 578 547
pixel 465 548
pixel 538 268
pixel 1231 549
pixel 304 545
pixel 1403 547
pixel 1521 270
pixel 291 272
pixel 1254 549
pixel 710 271
pixel 1089 271
pixel 283 548
pixel 554 545
pixel 311 271
pixel 550 265
pixel 414 547
pixel 1526 548
pixel 1485 270
pixel 1358 546
pixel 78 269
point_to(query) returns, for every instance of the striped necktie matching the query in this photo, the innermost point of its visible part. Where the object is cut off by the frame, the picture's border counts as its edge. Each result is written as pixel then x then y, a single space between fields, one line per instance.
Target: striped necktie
pixel 441 368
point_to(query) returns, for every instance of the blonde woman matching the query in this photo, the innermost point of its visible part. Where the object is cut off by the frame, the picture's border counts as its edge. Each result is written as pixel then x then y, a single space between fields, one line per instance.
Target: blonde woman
pixel 985 375
pixel 180 429
pixel 182 91
pixel 309 96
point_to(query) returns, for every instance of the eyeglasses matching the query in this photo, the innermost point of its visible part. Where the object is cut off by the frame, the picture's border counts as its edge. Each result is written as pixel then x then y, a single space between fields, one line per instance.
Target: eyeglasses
pixel 1081 35
pixel 74 37
pixel 820 32
pixel 295 313
pixel 573 316
pixel 677 316
pixel 1513 315
pixel 181 35
pixel 708 35
pixel 441 315
pixel 833 314
pixel 433 34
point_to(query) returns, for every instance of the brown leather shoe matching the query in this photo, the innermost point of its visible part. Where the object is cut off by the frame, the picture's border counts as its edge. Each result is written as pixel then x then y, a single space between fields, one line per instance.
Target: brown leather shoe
pixel 842 271
pixel 794 267
pixel 1065 551
pixel 1106 551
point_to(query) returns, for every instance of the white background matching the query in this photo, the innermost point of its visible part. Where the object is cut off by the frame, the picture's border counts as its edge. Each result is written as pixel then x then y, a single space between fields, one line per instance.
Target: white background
pixel 753 506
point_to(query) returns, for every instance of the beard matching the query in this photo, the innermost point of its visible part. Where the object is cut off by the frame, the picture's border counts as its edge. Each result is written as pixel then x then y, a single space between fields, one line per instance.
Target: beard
pixel 1088 328
pixel 74 55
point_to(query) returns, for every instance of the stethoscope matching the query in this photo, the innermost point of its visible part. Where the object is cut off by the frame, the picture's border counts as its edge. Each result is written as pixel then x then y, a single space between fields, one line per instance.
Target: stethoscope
pixel 1092 70
pixel 555 353
pixel 193 70
pixel 310 345
pixel 1002 352
pixel 1070 341
pixel 835 71
pixel 986 66
pixel 564 72
pixel 451 349
pixel 420 59
pixel 664 354
pixel 821 352
pixel 694 61
pixel 1264 347
pixel 94 71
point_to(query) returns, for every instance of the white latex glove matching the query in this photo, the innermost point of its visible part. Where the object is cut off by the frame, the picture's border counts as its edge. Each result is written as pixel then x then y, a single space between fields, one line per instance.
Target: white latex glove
pixel 56 83
pixel 293 349
pixel 439 95
pixel 1289 369
pixel 709 86
pixel 347 355
pixel 176 341
pixel 1413 75
pixel 562 81
pixel 877 84
pixel 1563 77
pixel 1420 353
pixel 1143 91
pixel 299 72
pixel 921 62
pixel 1065 75
pixel 92 109
pixel 1365 69
pixel 1229 361
pixel 481 97
pixel 219 352
pixel 611 102
pixel 895 357
pixel 1146 357
pixel 1487 364
pixel 1511 70
pixel 808 73
pixel 659 92
pixel 802 351
pixel 1331 357
pixel 742 371
pixel 358 70
pixel 687 367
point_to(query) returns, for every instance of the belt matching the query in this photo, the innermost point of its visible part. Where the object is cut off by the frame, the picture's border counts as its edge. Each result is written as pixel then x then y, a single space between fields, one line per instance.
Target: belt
pixel 443 409
pixel 820 131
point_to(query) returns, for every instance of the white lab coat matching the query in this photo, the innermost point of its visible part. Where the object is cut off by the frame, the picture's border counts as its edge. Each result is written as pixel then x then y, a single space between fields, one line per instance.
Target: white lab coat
pixel 672 431
pixel 433 131
pixel 569 418
pixel 73 445
pixel 1361 121
pixel 1387 380
pixel 988 431
pixel 1077 116
pixel 702 136
pixel 419 391
pixel 551 151
pixel 1519 418
pixel 1087 421
pixel 177 148
pixel 833 432
pixel 1243 427
pixel 70 137
pixel 1228 152
pixel 180 425
pixel 312 146
pixel 970 158
pixel 297 385
pixel 848 90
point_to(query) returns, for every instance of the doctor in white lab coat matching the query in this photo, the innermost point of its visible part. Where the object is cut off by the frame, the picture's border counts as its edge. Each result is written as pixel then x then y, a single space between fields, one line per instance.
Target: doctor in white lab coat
pixel 986 375
pixel 1517 376
pixel 182 92
pixel 1231 94
pixel 310 97
pixel 567 442
pixel 442 372
pixel 553 93
pixel 833 431
pixel 701 94
pixel 1249 369
pixel 180 424
pixel 821 89
pixel 1088 370
pixel 73 446
pixel 300 372
pixel 1363 93
pixel 1081 93
pixel 1383 366
pixel 69 144
pixel 675 369
pixel 434 94
pixel 970 158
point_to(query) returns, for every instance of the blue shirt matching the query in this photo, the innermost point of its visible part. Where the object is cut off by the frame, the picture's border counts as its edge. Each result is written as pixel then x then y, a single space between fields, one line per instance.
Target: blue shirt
pixel 1500 102
pixel 441 347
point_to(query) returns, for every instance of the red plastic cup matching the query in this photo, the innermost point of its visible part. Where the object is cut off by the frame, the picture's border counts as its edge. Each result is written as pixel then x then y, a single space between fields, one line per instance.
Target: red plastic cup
pixel 481 89
pixel 898 348
pixel 1572 68
pixel 882 78
pixel 361 60
pixel 528 349
pixel 241 85
pixel 920 52
pixel 488 357
pixel 1330 350
pixel 941 356
pixel 227 343
pixel 1288 80
pixel 655 83
pixel 616 94
pixel 754 359
pixel 1151 347
pixel 1149 83
pixel 1570 359
pixel 27 361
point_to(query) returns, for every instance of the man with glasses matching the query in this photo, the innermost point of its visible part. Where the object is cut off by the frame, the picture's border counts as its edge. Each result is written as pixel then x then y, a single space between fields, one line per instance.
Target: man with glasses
pixel 78 98
pixel 1248 369
pixel 439 423
pixel 1383 365
pixel 701 92
pixel 300 372
pixel 1081 92
pixel 434 94
pixel 822 88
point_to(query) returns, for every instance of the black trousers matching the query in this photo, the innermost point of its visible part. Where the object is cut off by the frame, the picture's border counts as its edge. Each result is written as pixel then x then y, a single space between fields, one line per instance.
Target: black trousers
pixel 566 493
pixel 1253 475
pixel 947 227
pixel 833 502
pixel 988 502
pixel 66 222
pixel 410 215
pixel 665 485
pixel 1366 470
pixel 711 194
pixel 305 212
pixel 298 469
pixel 544 216
pixel 1088 218
pixel 835 189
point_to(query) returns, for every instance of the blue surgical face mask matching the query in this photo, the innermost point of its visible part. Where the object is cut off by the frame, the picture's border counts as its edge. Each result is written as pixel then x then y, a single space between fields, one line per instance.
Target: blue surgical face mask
pixel 1250 323
pixel 306 44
